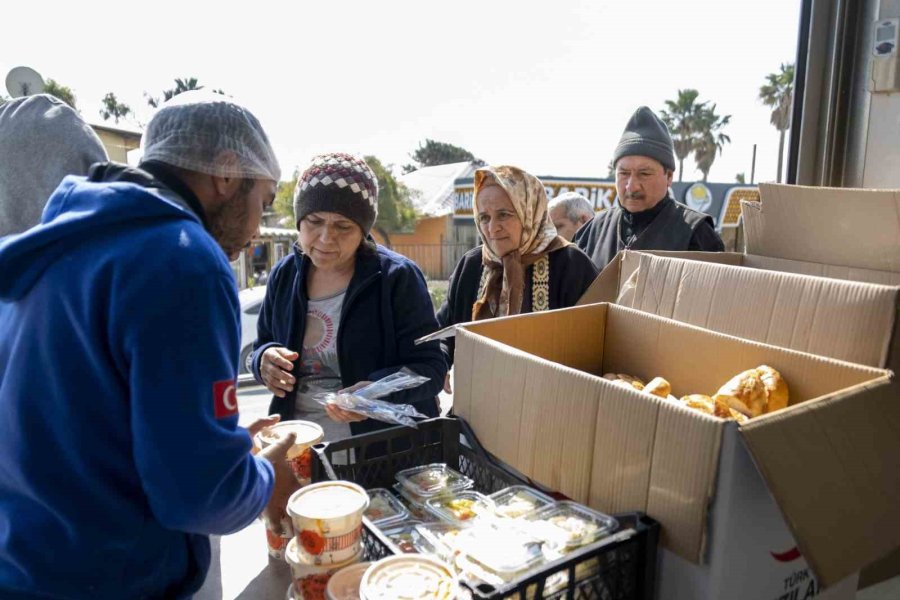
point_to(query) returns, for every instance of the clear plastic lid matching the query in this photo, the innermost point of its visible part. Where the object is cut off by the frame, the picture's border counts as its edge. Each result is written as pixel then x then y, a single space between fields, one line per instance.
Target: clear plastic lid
pixel 505 550
pixel 569 525
pixel 430 480
pixel 461 507
pixel 384 508
pixel 517 501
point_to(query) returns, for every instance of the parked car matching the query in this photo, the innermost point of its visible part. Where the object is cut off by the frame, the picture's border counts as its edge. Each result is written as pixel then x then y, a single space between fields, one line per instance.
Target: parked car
pixel 251 302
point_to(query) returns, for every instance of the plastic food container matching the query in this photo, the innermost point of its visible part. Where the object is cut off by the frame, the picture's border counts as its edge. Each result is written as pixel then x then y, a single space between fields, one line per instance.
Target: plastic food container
pixel 416 504
pixel 462 507
pixel 327 520
pixel 277 543
pixel 433 479
pixel 344 584
pixel 384 508
pixel 310 580
pixel 299 455
pixel 440 538
pixel 409 577
pixel 408 538
pixel 517 501
pixel 569 525
pixel 504 552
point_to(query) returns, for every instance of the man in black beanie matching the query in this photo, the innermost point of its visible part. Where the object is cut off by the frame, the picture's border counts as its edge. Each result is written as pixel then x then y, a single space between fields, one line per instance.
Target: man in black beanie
pixel 645 216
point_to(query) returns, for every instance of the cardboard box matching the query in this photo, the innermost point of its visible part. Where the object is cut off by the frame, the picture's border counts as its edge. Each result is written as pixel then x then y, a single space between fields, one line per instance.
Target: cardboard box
pixel 837 318
pixel 838 233
pixel 530 386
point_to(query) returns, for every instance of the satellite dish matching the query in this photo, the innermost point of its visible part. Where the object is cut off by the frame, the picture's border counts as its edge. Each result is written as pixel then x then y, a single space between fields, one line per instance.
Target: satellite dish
pixel 24 81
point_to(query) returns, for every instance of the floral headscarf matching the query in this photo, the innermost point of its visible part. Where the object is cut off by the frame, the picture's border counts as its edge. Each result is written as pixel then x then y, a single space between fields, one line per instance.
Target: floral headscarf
pixel 504 288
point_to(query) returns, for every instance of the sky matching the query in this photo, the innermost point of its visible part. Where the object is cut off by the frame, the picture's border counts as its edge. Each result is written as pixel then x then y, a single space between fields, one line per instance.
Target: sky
pixel 547 86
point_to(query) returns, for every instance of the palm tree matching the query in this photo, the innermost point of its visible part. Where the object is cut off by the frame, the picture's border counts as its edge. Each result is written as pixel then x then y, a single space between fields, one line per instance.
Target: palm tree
pixel 181 85
pixel 778 92
pixel 112 108
pixel 711 138
pixel 681 117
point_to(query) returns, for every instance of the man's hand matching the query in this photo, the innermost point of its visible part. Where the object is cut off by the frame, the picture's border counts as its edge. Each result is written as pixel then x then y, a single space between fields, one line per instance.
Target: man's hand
pixel 285 483
pixel 275 366
pixel 258 425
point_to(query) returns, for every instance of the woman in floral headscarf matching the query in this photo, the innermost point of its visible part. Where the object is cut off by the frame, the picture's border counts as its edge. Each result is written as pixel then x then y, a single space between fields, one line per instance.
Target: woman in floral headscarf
pixel 522 265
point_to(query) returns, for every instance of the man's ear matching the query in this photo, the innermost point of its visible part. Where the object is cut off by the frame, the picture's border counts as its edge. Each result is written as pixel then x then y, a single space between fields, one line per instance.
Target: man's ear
pixel 226 163
pixel 224 186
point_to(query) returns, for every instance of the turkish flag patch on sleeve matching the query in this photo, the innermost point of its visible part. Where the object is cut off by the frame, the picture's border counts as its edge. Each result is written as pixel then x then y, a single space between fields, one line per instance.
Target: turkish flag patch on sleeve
pixel 225 398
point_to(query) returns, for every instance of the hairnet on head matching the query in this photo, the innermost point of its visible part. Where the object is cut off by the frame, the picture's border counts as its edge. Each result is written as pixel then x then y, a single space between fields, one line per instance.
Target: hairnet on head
pixel 209 133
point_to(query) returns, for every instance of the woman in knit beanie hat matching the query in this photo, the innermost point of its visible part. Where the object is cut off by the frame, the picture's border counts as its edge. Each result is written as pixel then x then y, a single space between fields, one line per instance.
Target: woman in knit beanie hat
pixel 340 311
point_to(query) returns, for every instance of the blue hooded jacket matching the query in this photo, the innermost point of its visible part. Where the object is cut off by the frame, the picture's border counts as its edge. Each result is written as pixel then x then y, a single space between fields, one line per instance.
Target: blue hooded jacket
pixel 119 341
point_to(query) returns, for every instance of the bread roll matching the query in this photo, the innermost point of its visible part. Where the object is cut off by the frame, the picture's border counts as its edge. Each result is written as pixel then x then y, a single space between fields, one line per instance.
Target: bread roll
pixel 632 380
pixel 776 388
pixel 658 387
pixel 723 411
pixel 745 393
pixel 698 402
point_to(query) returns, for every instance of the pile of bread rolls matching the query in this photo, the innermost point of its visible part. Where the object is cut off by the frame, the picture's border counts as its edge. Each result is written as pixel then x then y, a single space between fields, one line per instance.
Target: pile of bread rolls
pixel 749 394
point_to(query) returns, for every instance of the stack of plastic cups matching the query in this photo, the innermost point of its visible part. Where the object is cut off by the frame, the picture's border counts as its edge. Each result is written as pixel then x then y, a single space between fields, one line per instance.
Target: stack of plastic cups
pixel 300 457
pixel 327 521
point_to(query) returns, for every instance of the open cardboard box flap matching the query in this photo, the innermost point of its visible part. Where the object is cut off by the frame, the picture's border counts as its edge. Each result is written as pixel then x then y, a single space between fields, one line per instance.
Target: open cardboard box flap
pixel 531 389
pixel 852 228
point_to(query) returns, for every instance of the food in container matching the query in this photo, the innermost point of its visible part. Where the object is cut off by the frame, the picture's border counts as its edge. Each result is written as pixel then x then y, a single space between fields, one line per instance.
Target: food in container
pixel 504 551
pixel 568 525
pixel 300 454
pixel 384 508
pixel 433 479
pixel 461 507
pixel 310 580
pixel 407 537
pixel 517 501
pixel 409 577
pixel 344 584
pixel 441 538
pixel 327 520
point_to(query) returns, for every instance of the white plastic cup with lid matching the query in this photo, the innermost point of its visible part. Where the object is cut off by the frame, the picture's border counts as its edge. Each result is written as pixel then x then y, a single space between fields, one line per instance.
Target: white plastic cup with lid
pixel 327 520
pixel 409 577
pixel 308 434
pixel 344 584
pixel 310 580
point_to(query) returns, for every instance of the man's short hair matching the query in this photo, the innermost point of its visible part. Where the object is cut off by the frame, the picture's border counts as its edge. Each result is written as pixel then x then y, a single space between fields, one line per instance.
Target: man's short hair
pixel 574 204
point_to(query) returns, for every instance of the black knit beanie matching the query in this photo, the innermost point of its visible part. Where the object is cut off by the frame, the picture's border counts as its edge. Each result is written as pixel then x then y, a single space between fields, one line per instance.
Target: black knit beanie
pixel 338 183
pixel 646 135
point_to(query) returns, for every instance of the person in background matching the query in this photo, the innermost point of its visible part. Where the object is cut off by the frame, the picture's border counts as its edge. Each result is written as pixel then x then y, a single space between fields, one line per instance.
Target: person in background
pixel 522 264
pixel 340 311
pixel 42 139
pixel 569 211
pixel 120 450
pixel 645 216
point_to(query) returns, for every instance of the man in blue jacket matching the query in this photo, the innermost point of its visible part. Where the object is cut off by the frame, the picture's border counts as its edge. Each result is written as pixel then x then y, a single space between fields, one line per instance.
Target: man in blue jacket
pixel 120 451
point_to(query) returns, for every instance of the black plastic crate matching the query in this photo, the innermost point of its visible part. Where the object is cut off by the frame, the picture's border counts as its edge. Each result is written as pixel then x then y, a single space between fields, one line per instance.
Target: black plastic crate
pixel 621 566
